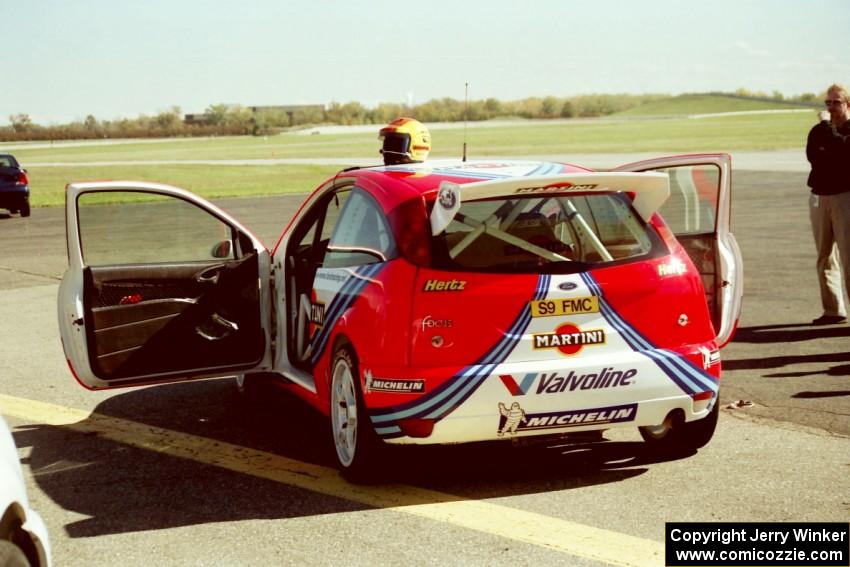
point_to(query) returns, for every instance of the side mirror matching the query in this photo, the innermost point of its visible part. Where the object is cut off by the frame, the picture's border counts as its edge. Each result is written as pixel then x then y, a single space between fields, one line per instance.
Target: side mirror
pixel 223 249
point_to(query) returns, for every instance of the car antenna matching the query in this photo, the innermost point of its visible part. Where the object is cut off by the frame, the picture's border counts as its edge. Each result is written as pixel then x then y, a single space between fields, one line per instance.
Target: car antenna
pixel 465 117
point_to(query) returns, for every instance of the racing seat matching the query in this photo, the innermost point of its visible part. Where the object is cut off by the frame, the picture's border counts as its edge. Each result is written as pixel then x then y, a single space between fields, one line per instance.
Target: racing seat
pixel 529 237
pixel 536 229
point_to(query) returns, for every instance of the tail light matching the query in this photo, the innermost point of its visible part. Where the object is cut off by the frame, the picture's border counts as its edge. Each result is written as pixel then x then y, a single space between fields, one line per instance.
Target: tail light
pixel 409 222
pixel 22 179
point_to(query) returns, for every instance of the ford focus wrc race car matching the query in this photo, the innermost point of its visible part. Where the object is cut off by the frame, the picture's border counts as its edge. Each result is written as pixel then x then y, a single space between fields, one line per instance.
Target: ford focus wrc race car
pixel 437 302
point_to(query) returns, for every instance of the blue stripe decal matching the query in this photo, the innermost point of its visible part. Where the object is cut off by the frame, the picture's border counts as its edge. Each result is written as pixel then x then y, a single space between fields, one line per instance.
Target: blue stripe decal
pixel 639 343
pixel 542 168
pixel 344 298
pixel 672 361
pixel 337 307
pixel 455 391
pixel 466 174
pixel 545 168
pixel 679 369
pixel 387 431
pixel 700 381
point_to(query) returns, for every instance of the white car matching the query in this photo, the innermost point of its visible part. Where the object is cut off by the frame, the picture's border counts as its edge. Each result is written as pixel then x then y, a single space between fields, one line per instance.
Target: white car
pixel 23 535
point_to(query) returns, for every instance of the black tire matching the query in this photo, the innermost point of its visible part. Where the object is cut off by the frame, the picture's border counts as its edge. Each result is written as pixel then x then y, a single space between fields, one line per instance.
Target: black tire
pixel 356 445
pixel 675 436
pixel 11 555
pixel 701 431
pixel 25 209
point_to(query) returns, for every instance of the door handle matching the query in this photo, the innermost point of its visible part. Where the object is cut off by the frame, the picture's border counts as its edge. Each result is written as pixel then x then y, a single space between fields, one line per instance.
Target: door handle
pixel 228 327
pixel 210 275
pixel 226 323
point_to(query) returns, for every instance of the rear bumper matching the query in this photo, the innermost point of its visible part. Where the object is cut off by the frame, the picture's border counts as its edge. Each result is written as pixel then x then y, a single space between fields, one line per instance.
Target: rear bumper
pixel 527 399
pixel 13 196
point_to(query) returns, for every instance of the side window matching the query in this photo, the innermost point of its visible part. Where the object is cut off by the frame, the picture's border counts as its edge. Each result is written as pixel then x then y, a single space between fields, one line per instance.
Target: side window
pixel 157 230
pixel 334 210
pixel 692 206
pixel 361 234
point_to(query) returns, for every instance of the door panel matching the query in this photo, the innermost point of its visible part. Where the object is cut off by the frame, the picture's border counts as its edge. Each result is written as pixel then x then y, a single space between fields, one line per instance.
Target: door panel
pixel 702 249
pixel 698 212
pixel 148 297
pixel 156 323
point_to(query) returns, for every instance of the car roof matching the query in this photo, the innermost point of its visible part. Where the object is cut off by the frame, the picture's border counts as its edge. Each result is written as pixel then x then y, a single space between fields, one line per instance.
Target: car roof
pixel 392 185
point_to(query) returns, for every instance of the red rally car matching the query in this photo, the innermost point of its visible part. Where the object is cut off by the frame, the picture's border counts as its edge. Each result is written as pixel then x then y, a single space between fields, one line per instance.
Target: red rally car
pixel 437 302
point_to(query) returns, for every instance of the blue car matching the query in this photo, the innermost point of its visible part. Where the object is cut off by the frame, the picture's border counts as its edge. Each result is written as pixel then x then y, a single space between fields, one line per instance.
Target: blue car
pixel 14 186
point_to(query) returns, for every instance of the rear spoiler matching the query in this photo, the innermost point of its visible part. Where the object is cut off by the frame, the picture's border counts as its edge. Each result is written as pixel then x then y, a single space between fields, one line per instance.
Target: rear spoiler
pixel 650 189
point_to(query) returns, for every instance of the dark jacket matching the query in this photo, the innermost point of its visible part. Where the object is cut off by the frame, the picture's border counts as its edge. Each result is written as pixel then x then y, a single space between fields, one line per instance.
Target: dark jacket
pixel 828 150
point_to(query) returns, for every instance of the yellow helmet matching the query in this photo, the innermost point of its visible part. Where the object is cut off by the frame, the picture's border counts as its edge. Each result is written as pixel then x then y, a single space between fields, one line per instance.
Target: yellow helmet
pixel 405 140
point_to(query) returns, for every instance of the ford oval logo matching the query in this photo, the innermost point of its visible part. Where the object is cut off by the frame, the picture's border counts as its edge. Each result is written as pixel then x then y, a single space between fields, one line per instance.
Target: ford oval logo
pixel 567 286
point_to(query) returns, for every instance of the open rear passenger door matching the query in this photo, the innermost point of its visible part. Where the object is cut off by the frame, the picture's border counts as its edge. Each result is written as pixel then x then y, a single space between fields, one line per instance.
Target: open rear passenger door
pixel 163 287
pixel 699 213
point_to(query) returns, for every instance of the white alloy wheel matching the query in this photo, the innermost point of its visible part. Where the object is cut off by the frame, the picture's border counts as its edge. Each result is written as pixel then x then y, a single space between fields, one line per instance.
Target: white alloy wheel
pixel 344 410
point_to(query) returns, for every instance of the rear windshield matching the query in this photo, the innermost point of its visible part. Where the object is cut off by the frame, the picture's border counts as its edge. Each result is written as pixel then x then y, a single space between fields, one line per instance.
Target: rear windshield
pixel 553 234
pixel 8 161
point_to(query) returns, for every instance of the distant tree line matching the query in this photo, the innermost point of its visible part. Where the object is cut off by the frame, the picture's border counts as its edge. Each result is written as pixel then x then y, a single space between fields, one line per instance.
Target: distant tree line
pixel 227 120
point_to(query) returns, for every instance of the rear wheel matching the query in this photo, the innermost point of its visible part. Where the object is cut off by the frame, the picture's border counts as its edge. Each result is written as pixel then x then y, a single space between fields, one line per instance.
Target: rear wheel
pixel 25 209
pixel 674 435
pixel 354 438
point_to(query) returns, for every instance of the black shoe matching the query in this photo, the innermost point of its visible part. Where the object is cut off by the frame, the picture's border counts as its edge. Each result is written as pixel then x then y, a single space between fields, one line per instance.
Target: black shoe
pixel 829 320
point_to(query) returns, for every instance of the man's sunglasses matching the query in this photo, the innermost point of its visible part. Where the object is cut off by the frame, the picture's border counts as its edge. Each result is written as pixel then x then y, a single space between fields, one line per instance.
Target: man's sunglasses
pixel 831 102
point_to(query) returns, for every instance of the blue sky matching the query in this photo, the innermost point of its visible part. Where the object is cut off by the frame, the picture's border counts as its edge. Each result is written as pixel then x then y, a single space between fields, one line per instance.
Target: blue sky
pixel 121 58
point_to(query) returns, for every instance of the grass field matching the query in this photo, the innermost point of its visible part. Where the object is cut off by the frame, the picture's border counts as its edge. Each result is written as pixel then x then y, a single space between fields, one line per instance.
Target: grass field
pixel 662 136
pixel 703 104
pixel 47 184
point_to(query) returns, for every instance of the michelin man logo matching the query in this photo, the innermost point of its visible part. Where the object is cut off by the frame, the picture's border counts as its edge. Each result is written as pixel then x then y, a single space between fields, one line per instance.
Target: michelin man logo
pixel 513 417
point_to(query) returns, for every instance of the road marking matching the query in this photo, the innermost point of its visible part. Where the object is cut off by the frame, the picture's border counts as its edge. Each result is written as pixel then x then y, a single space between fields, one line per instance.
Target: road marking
pixel 520 525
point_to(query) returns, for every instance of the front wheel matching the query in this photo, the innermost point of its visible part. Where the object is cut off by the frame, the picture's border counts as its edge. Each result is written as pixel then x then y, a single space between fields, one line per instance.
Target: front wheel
pixel 675 436
pixel 354 438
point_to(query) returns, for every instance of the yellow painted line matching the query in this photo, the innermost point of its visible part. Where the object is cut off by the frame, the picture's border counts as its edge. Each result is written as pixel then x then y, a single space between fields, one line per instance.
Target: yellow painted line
pixel 519 525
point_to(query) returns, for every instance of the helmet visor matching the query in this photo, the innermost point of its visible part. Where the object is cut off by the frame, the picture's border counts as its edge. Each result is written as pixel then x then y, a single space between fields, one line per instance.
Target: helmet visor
pixel 397 143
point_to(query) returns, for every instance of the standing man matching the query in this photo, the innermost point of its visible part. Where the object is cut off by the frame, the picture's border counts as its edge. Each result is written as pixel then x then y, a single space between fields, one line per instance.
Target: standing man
pixel 828 150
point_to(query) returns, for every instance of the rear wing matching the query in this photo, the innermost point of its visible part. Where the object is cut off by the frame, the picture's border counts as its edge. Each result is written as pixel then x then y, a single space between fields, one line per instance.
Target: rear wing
pixel 650 190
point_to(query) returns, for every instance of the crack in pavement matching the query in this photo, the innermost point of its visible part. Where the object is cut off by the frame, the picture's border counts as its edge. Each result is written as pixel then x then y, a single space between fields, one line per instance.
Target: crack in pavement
pixel 28 273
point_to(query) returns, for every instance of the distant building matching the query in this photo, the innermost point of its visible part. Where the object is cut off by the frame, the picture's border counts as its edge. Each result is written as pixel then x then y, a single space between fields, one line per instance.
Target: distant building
pixel 289 109
pixel 192 119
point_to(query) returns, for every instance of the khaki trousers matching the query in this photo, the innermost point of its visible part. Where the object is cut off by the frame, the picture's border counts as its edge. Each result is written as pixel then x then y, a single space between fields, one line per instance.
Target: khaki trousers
pixel 830 216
